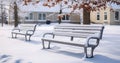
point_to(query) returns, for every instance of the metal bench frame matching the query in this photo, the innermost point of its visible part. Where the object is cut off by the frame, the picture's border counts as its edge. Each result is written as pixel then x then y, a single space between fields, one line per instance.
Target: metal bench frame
pixel 28 33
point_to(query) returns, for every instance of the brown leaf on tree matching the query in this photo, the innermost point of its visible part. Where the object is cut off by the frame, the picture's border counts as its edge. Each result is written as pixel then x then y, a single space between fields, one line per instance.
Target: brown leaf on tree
pixel 95 2
pixel 25 2
pixel 49 6
pixel 59 17
pixel 48 0
pixel 57 1
pixel 45 4
pixel 53 4
pixel 104 7
pixel 111 10
pixel 37 1
pixel 67 14
pixel 65 2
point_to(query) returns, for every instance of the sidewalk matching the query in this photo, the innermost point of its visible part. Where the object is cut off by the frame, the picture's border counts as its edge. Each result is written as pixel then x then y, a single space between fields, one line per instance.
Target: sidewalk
pixel 20 51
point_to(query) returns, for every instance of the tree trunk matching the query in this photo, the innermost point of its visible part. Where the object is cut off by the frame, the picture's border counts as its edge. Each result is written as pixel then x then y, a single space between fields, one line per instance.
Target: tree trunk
pixel 60 19
pixel 15 15
pixel 86 17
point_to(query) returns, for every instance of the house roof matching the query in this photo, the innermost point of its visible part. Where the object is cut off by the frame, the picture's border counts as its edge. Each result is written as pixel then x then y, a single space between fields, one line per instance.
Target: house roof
pixel 40 8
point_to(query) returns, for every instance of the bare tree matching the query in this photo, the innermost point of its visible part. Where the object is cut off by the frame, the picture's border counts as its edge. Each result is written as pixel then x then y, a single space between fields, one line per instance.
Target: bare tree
pixel 15 4
pixel 14 9
pixel 15 15
pixel 3 12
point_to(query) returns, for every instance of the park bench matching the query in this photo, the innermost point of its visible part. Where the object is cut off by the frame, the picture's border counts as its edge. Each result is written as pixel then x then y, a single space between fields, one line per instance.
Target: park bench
pixel 88 35
pixel 24 29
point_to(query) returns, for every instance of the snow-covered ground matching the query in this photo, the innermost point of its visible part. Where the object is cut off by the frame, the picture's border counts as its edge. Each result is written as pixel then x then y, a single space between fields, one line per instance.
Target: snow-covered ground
pixel 21 51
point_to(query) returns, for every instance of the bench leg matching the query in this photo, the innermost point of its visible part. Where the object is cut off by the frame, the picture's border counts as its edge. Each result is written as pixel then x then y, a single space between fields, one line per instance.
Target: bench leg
pixel 71 38
pixel 85 52
pixel 43 44
pixel 12 35
pixel 53 36
pixel 91 52
pixel 29 37
pixel 48 45
pixel 15 35
pixel 26 37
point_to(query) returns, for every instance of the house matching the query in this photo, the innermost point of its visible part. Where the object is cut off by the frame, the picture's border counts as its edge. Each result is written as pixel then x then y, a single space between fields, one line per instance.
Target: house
pixel 106 16
pixel 37 13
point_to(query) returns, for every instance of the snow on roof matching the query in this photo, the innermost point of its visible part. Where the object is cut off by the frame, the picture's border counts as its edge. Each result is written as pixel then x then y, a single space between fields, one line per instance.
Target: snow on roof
pixel 40 8
pixel 114 5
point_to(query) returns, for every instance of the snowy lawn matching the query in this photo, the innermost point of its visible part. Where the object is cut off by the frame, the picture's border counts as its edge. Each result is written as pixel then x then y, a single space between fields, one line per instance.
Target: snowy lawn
pixel 21 51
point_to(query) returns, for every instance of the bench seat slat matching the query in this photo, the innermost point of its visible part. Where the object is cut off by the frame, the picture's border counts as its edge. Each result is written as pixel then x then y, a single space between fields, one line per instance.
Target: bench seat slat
pixel 64 42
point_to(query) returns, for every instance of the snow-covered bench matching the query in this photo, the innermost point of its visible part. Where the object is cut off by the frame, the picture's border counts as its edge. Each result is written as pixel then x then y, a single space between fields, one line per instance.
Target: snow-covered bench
pixel 24 29
pixel 86 36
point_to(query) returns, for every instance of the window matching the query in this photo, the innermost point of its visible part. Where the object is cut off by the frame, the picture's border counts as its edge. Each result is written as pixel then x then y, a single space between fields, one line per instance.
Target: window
pixel 65 17
pixel 29 17
pixel 98 16
pixel 105 15
pixel 116 15
pixel 26 18
pixel 42 16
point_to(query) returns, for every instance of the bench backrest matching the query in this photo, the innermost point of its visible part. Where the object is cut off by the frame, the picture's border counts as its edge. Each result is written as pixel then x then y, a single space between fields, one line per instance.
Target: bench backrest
pixel 26 27
pixel 79 30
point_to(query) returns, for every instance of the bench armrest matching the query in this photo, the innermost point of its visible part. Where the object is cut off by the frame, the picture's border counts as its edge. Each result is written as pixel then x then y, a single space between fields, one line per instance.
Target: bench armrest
pixel 88 41
pixel 48 34
pixel 31 32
